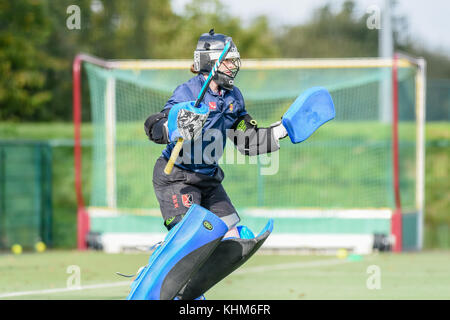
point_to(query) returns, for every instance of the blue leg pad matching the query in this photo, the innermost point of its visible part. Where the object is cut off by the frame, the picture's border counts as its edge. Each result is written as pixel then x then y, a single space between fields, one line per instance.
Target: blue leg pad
pixel 186 247
pixel 229 255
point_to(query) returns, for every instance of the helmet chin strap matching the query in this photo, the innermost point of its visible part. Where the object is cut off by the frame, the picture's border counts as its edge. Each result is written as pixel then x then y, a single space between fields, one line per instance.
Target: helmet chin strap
pixel 223 80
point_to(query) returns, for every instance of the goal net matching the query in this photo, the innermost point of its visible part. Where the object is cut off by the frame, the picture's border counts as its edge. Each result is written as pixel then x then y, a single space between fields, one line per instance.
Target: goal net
pixel 357 180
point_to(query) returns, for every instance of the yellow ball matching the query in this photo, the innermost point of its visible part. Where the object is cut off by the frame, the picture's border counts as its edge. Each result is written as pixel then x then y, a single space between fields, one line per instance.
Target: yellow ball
pixel 40 246
pixel 16 249
pixel 342 253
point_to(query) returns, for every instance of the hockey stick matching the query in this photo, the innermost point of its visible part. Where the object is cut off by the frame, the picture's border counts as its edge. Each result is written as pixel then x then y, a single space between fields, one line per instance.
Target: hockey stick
pixel 176 150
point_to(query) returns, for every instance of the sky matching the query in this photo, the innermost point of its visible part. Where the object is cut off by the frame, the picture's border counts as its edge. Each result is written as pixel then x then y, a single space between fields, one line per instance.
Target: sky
pixel 428 20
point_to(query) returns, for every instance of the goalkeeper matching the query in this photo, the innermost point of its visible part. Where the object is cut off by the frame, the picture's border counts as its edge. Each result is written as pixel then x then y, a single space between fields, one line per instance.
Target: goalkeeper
pixel 193 193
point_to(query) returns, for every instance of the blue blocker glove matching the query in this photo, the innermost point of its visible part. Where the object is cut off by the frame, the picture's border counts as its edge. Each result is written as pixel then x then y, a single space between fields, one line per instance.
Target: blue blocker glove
pixel 186 121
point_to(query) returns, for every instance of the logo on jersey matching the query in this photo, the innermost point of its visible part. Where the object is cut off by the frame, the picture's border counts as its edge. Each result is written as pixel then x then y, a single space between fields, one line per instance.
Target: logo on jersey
pixel 231 107
pixel 241 126
pixel 212 105
pixel 187 200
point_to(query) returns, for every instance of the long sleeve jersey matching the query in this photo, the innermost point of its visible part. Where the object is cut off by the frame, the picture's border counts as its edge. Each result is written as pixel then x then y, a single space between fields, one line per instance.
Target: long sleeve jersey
pixel 227 118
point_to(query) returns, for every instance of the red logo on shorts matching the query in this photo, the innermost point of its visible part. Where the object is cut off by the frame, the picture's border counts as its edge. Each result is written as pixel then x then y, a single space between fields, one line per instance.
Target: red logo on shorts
pixel 212 105
pixel 175 201
pixel 187 200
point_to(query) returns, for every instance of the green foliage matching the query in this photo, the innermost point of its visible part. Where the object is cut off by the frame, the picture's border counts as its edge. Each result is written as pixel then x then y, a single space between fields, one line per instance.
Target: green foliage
pixel 330 34
pixel 24 28
pixel 37 48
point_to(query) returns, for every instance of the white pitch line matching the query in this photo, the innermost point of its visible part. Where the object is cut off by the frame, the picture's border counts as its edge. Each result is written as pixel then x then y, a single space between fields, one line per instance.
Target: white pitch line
pixel 59 290
pixel 285 266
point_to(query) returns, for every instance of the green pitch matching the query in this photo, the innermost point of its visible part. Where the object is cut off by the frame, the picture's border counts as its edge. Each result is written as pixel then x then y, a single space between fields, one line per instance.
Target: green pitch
pixel 280 277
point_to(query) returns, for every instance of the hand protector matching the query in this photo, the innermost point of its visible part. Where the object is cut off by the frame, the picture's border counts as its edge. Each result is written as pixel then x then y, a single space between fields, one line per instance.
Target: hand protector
pixel 186 121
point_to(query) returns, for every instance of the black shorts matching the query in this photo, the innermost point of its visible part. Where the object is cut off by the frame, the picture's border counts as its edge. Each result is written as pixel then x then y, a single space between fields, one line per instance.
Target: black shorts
pixel 179 190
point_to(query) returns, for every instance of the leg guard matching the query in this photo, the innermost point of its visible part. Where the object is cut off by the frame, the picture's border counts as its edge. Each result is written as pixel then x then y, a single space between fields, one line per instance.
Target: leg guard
pixel 227 257
pixel 185 249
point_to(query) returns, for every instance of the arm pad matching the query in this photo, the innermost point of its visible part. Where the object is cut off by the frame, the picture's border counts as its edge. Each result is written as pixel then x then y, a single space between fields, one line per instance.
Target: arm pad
pixel 251 140
pixel 156 127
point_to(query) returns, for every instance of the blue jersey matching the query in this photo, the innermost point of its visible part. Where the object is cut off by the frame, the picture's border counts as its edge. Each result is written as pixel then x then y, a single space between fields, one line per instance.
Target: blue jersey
pixel 225 108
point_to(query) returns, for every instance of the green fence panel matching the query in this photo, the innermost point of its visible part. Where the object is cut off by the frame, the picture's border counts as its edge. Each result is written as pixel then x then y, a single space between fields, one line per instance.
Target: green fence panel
pixel 25 193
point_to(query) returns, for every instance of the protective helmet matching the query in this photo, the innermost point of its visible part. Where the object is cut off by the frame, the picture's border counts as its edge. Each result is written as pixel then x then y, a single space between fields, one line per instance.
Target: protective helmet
pixel 209 47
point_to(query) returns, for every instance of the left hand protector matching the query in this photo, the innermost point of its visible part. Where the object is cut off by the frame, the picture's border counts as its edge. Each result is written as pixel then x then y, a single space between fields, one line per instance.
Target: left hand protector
pixel 186 121
pixel 308 112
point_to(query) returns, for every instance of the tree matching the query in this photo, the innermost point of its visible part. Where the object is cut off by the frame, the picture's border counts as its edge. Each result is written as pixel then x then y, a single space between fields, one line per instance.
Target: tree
pixel 329 34
pixel 37 49
pixel 24 29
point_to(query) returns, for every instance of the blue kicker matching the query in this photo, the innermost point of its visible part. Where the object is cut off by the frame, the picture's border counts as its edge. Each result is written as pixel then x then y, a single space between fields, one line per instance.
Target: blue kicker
pixel 198 228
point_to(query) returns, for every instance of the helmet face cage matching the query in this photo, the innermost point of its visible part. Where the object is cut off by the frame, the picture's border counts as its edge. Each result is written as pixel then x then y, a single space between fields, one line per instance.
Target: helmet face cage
pixel 231 72
pixel 208 52
pixel 204 60
pixel 224 77
pixel 225 80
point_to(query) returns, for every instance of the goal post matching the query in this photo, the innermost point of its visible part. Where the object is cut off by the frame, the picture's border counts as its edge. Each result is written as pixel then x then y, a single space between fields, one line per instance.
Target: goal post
pixel 356 178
